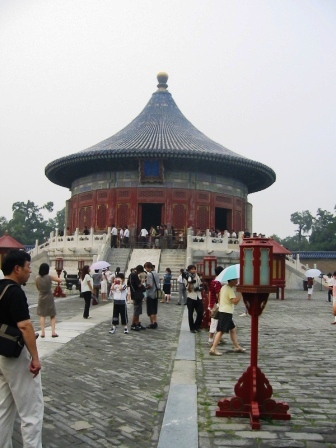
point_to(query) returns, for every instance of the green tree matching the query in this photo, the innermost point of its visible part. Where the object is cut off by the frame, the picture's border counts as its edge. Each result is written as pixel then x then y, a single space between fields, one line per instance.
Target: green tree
pixel 59 221
pixel 3 225
pixel 292 243
pixel 323 231
pixel 28 224
pixel 304 221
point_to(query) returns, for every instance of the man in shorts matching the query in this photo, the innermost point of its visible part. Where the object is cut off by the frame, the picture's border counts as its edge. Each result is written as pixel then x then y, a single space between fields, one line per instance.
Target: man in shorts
pixel 153 282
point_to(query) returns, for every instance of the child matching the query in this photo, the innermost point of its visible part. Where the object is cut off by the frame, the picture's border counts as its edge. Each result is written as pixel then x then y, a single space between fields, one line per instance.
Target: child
pixel 214 290
pixel 119 289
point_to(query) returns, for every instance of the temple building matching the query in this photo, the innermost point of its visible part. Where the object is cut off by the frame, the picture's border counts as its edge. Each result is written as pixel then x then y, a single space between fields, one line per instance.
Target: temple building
pixel 159 169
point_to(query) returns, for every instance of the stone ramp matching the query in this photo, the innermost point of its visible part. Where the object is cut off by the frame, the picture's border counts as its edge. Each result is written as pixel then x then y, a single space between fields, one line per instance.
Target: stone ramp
pixel 141 256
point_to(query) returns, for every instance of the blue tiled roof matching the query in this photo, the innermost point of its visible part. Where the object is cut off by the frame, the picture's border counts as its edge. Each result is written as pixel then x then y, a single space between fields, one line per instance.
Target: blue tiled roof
pixel 161 131
pixel 313 254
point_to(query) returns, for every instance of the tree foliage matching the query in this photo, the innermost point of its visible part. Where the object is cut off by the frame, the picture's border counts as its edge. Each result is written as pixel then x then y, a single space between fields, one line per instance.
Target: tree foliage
pixel 28 223
pixel 314 233
pixel 304 221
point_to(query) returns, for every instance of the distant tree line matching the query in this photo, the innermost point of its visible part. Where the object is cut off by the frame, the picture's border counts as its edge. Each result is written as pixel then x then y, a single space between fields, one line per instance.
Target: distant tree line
pixel 313 233
pixel 28 223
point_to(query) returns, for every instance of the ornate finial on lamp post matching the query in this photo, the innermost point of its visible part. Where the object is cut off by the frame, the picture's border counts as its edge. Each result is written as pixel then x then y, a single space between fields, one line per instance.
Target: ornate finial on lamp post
pixel 207 272
pixel 58 292
pixel 253 390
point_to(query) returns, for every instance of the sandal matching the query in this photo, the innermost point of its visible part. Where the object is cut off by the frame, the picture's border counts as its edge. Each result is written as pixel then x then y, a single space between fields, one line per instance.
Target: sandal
pixel 54 335
pixel 239 350
pixel 215 352
pixel 162 301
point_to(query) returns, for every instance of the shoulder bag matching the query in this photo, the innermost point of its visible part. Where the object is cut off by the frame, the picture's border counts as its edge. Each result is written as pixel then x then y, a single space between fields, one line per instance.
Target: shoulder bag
pixel 11 340
pixel 160 295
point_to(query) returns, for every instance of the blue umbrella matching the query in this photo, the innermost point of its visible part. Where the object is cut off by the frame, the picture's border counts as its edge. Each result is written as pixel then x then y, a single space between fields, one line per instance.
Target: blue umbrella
pixel 229 273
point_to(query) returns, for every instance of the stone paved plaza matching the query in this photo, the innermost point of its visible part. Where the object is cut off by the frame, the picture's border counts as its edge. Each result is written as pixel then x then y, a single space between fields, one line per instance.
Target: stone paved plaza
pixel 105 390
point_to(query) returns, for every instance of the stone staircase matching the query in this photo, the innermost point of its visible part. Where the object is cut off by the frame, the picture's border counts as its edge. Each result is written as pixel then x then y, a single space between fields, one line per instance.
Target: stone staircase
pixel 175 259
pixel 118 258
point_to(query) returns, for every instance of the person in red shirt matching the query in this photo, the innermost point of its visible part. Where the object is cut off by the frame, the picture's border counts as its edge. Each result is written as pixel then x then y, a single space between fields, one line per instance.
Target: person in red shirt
pixel 214 290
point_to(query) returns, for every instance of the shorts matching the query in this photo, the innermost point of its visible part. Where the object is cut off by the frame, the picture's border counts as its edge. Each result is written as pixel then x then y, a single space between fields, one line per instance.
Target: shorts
pixel 225 322
pixel 119 309
pixel 152 306
pixel 137 310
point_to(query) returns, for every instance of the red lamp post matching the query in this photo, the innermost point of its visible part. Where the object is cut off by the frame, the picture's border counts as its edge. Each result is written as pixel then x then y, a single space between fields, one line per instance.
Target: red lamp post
pixel 253 390
pixel 209 266
pixel 59 268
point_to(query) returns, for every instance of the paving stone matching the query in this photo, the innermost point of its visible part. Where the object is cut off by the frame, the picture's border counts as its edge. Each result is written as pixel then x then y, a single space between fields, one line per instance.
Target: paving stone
pixel 119 384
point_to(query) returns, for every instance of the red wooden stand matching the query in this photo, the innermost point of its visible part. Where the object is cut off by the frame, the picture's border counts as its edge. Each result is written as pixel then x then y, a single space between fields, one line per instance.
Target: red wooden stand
pixel 253 390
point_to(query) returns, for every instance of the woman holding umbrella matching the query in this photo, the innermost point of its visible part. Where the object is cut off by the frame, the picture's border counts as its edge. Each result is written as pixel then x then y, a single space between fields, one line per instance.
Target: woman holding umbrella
pixel 311 274
pixel 227 300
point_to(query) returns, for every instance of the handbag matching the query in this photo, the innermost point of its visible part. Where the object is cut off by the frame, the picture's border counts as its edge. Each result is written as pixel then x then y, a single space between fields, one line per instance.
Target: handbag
pixel 214 313
pixel 160 295
pixel 11 340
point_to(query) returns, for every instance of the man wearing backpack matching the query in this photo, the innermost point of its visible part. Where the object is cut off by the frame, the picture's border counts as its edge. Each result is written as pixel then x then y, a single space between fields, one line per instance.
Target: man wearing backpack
pixel 20 382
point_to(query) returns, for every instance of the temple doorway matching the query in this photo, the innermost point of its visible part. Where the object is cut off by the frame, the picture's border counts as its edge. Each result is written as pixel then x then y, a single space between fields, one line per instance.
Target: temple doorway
pixel 221 219
pixel 151 215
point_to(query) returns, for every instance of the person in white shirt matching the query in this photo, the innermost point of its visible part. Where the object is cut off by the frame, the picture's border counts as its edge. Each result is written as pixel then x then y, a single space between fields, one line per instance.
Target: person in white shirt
pixel 114 236
pixel 329 281
pixel 119 289
pixel 182 288
pixel 126 236
pixel 121 237
pixel 143 237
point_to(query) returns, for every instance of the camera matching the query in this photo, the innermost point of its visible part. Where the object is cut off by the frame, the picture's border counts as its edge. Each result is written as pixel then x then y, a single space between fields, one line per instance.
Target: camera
pixel 198 288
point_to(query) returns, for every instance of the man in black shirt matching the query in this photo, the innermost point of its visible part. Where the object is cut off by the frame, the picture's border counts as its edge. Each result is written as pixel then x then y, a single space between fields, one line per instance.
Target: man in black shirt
pixel 20 382
pixel 137 295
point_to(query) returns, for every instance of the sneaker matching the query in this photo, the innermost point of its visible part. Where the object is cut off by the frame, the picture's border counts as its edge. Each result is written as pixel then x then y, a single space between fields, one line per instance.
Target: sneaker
pixel 243 315
pixel 215 352
pixel 113 330
pixel 210 341
pixel 126 331
pixel 141 327
pixel 135 328
pixel 333 323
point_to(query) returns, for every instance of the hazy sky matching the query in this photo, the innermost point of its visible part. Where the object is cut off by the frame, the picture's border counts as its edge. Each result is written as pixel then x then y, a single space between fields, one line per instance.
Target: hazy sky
pixel 257 76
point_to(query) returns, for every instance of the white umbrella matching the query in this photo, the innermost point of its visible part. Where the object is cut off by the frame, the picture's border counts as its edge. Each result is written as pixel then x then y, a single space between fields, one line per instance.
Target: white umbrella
pixel 312 273
pixel 229 273
pixel 99 265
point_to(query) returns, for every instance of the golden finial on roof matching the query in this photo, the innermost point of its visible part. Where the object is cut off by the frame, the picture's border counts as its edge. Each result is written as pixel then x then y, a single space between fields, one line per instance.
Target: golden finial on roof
pixel 162 77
